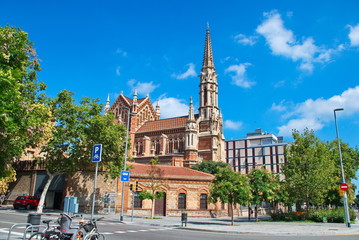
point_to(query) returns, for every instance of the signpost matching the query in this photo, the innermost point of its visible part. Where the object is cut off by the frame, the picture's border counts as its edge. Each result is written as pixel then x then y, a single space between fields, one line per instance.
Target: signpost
pixel 96 157
pixel 125 176
pixel 344 187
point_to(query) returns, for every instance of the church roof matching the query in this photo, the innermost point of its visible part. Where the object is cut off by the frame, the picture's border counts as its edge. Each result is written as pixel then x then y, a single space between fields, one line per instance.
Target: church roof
pixel 170 172
pixel 163 124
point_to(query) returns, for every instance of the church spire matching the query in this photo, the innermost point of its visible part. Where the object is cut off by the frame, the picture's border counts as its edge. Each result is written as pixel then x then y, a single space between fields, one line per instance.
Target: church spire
pixel 191 111
pixel 107 106
pixel 208 56
pixel 208 85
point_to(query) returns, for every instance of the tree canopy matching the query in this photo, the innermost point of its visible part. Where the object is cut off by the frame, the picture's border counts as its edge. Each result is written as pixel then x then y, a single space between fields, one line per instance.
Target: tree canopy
pixel 230 187
pixel 309 172
pixel 264 186
pixel 24 119
pixel 211 167
pixel 77 127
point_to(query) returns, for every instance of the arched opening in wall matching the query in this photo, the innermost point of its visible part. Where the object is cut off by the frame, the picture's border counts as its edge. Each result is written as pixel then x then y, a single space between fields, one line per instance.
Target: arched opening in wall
pixel 160 206
pixel 158 147
pixel 182 200
pixel 205 96
pixel 203 203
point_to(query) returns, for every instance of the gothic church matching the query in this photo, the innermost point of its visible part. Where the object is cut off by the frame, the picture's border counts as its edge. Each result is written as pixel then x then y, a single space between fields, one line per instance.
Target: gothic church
pixel 179 141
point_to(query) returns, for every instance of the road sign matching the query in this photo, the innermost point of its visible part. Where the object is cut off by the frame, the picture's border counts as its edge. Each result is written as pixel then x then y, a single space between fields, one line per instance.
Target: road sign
pixel 96 153
pixel 125 176
pixel 344 187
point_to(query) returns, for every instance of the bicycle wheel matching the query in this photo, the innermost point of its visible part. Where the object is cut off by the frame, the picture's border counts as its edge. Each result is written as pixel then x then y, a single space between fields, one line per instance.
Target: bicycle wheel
pixel 45 236
pixel 36 236
pixel 95 236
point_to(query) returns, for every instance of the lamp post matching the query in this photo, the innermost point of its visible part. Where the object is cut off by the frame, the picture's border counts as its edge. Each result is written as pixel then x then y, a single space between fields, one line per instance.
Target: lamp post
pixel 124 164
pixel 345 200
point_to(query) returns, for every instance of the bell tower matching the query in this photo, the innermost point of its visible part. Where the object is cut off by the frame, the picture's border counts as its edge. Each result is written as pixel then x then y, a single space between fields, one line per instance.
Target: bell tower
pixel 210 137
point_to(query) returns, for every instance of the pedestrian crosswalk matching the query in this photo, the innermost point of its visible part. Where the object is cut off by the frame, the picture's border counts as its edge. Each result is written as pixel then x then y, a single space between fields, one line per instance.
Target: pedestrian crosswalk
pixel 136 231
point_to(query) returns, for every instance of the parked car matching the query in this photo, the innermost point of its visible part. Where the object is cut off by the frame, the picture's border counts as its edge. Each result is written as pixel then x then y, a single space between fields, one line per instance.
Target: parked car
pixel 26 202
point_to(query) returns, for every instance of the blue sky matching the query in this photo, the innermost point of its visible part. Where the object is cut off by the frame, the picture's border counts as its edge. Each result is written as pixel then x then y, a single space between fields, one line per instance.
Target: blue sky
pixel 281 65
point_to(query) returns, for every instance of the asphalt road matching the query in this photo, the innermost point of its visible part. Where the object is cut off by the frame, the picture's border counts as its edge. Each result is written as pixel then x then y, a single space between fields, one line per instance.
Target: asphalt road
pixel 117 231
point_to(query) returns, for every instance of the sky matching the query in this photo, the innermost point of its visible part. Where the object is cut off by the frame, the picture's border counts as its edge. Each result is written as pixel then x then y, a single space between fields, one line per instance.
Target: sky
pixel 282 65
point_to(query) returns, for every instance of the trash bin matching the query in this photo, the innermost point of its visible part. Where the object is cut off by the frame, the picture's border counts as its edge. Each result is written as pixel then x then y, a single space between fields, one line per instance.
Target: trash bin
pixel 34 218
pixel 325 220
pixel 184 219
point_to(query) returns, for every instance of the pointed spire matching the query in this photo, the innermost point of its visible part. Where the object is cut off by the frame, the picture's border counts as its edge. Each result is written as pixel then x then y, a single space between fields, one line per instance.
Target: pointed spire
pixel 158 111
pixel 107 106
pixel 191 110
pixel 208 56
pixel 135 95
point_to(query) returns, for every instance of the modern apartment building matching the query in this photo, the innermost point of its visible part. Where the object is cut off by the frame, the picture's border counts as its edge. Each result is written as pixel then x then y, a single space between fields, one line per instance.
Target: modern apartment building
pixel 258 149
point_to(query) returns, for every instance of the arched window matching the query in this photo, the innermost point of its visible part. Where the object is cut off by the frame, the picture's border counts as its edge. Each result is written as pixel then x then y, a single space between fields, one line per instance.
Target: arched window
pixel 137 202
pixel 203 201
pixel 157 147
pixel 182 201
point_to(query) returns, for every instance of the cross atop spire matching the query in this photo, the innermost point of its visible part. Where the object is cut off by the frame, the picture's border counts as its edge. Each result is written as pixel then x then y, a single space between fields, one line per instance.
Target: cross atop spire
pixel 208 56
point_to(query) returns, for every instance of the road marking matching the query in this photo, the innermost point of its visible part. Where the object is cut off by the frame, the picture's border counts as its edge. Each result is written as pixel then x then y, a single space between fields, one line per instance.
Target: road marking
pixel 141 230
pixel 6 230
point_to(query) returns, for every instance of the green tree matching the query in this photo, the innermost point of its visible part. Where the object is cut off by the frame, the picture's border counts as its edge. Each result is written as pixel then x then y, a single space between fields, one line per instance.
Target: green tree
pixel 77 128
pixel 210 167
pixel 263 186
pixel 309 171
pixel 230 187
pixel 350 158
pixel 24 120
pixel 154 185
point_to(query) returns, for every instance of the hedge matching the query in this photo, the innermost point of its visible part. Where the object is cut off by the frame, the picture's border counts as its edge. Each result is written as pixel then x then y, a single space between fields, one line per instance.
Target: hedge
pixel 332 215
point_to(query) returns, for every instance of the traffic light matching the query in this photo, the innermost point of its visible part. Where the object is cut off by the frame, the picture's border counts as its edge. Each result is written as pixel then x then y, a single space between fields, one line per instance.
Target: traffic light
pixel 341 192
pixel 136 186
pixel 133 186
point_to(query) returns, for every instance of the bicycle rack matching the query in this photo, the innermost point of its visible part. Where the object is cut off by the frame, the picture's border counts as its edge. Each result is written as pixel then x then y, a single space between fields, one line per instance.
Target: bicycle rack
pixel 28 227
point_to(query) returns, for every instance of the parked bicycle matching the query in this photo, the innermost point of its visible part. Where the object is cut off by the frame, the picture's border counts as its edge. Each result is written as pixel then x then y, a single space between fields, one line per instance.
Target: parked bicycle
pixel 87 230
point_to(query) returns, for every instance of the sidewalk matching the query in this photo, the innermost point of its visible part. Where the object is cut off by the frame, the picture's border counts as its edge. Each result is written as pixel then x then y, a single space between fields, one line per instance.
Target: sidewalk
pixel 242 226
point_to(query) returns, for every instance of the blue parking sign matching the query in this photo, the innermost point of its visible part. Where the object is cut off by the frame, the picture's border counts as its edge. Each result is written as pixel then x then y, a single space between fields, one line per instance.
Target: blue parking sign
pixel 125 176
pixel 96 153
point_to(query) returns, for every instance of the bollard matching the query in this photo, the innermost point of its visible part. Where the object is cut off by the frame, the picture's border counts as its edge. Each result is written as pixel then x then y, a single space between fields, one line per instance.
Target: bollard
pixel 184 219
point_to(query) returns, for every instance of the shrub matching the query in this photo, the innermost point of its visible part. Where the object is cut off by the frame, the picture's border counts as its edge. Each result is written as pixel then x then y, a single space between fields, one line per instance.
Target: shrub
pixel 332 215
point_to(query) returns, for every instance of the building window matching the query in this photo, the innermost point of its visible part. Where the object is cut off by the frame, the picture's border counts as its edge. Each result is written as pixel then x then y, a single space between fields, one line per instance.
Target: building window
pixel 182 201
pixel 137 202
pixel 203 201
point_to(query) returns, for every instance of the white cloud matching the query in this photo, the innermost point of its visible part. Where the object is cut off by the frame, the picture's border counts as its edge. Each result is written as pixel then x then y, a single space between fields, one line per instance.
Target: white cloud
pixel 172 107
pixel 239 78
pixel 282 42
pixel 119 51
pixel 229 124
pixel 279 84
pixel 279 107
pixel 315 114
pixel 143 88
pixel 189 73
pixel 245 40
pixel 354 35
pixel 118 72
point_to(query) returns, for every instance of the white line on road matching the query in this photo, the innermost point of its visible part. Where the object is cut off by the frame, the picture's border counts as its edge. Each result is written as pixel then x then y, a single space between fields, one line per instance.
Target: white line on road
pixel 6 230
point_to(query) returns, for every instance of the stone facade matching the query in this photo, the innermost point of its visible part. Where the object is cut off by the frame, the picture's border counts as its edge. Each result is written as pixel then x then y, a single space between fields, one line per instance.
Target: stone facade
pixel 172 180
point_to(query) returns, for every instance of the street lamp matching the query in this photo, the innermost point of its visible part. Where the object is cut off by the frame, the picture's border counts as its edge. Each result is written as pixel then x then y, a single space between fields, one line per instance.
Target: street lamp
pixel 345 200
pixel 124 164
